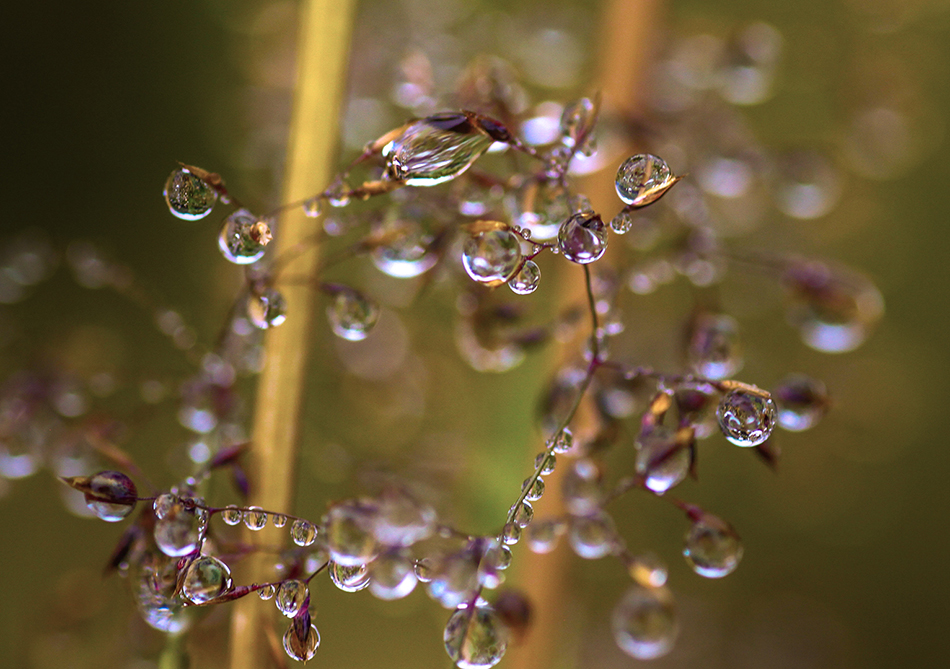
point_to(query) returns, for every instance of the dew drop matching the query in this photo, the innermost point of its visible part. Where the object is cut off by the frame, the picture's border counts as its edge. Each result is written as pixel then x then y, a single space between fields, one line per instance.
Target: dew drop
pixel 348 531
pixel 291 596
pixel 524 514
pixel 352 315
pixel 492 256
pixel 525 280
pixel 231 515
pixel 712 549
pixel 622 223
pixel 110 495
pixel 178 533
pixel 392 576
pixel 592 537
pixel 435 149
pixel 642 179
pixel 163 504
pixel 243 238
pixel 303 532
pixel 188 196
pixel 475 638
pixel 267 310
pixel 408 251
pixel 644 622
pixel 207 578
pixel 313 207
pixel 255 518
pixel 543 535
pixel 267 592
pixel 713 349
pixel 583 238
pixel 746 418
pixel 581 487
pixel 533 489
pixel 661 459
pixel 545 463
pixel 801 401
pixel 349 579
pixel 647 570
pixel 301 651
pixel 564 441
pixel 279 520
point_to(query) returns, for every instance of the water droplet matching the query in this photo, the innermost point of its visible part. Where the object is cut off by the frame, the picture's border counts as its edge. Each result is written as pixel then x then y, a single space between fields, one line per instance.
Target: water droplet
pixel 188 196
pixel 535 489
pixel 110 495
pixel 581 487
pixel 279 520
pixel 511 533
pixel 475 638
pixel 583 238
pixel 645 624
pixel 546 462
pixel 163 504
pixel 178 533
pixel 540 208
pixel 243 238
pixel 642 179
pixel 435 149
pixel 808 186
pixel 564 441
pixel 407 252
pixel 746 418
pixel 647 570
pixel 401 520
pixel 313 207
pixel 392 576
pixel 622 223
pixel 351 314
pixel 543 535
pixel 492 256
pixel 255 518
pixel 267 310
pixel 455 577
pixel 423 570
pixel 207 578
pixel 348 531
pixel 801 402
pixel 713 348
pixel 303 532
pixel 267 592
pixel 291 596
pixel 592 537
pixel 525 281
pixel 662 459
pixel 524 514
pixel 577 119
pixel 301 651
pixel 231 515
pixel 713 549
pixel 349 579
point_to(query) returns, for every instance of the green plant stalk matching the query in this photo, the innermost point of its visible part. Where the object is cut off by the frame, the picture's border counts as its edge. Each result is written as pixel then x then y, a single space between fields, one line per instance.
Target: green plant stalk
pixel 323 46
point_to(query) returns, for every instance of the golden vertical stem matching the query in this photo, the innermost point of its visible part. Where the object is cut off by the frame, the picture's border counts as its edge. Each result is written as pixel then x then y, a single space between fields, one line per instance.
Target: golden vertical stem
pixel 627 40
pixel 322 54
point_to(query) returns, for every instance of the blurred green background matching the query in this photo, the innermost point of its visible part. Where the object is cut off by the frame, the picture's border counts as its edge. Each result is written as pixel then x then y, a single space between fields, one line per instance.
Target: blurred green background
pixel 845 562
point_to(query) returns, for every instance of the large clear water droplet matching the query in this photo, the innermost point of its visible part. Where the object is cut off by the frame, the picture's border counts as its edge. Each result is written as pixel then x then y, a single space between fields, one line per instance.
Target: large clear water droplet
pixel 435 149
pixel 526 280
pixel 110 495
pixel 746 418
pixel 243 238
pixel 401 520
pixel 348 530
pixel 178 533
pixel 642 179
pixel 352 315
pixel 661 459
pixel 454 578
pixel 255 518
pixel 645 624
pixel 291 596
pixel 475 638
pixel 492 256
pixel 163 504
pixel 581 488
pixel 267 310
pixel 301 650
pixel 207 578
pixel 583 238
pixel 801 402
pixel 303 532
pixel 407 251
pixel 712 549
pixel 392 576
pixel 592 537
pixel 188 196
pixel 713 349
pixel 231 515
pixel 543 535
pixel 349 579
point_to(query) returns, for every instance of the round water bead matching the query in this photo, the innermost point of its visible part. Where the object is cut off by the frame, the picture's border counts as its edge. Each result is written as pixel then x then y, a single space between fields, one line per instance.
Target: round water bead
pixel 581 487
pixel 713 549
pixel 533 489
pixel 163 504
pixel 303 532
pixel 564 441
pixel 301 651
pixel 267 310
pixel 231 515
pixel 291 596
pixel 713 349
pixel 178 533
pixel 661 459
pixel 511 533
pixel 475 638
pixel 435 149
pixel 351 314
pixel 188 196
pixel 110 495
pixel 644 622
pixel 279 520
pixel 622 223
pixel 543 535
pixel 349 579
pixel 592 537
pixel 348 531
pixel 583 238
pixel 525 280
pixel 642 179
pixel 746 418
pixel 545 463
pixel 524 514
pixel 255 518
pixel 392 576
pixel 243 238
pixel 207 578
pixel 407 252
pixel 801 402
pixel 492 256
pixel 267 592
pixel 454 579
pixel 401 520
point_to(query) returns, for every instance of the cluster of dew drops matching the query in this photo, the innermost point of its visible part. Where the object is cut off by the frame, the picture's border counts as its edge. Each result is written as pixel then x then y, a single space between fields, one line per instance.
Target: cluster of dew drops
pixel 391 542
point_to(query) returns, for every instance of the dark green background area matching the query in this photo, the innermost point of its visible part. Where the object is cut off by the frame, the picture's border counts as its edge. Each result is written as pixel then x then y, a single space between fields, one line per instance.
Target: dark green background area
pixel 845 562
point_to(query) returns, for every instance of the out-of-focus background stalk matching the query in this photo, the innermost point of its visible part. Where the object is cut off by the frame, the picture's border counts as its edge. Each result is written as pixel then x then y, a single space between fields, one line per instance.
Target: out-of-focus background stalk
pixel 844 553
